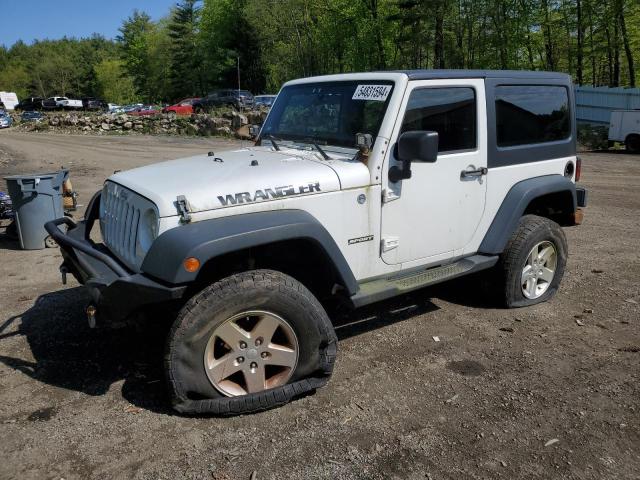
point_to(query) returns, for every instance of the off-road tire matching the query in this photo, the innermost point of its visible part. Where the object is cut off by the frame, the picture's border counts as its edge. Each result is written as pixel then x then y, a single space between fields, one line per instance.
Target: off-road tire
pixel 632 143
pixel 531 230
pixel 190 389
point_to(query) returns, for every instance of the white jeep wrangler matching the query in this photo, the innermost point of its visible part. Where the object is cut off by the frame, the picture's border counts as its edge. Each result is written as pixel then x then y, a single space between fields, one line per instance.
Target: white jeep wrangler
pixel 360 187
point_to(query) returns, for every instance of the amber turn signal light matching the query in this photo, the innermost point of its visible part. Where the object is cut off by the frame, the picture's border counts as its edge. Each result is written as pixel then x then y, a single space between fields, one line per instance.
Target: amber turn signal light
pixel 191 264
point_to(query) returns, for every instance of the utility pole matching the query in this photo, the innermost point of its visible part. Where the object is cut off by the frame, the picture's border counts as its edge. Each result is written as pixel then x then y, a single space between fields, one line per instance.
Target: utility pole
pixel 239 84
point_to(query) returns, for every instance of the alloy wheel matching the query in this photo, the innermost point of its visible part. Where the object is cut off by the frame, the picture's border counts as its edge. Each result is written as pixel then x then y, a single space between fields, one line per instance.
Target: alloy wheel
pixel 539 270
pixel 251 352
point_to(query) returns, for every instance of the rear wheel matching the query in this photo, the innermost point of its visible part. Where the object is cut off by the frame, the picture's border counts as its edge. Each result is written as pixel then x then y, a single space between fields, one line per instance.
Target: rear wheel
pixel 632 143
pixel 533 262
pixel 250 342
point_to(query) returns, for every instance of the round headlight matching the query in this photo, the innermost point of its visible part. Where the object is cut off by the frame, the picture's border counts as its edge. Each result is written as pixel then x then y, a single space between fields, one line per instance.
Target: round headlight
pixel 147 230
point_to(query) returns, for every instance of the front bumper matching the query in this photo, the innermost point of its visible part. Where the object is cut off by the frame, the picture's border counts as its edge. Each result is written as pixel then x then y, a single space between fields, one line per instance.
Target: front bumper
pixel 117 294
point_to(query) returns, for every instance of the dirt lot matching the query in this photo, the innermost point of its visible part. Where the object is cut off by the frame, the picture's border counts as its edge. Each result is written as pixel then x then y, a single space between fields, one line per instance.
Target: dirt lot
pixel 482 403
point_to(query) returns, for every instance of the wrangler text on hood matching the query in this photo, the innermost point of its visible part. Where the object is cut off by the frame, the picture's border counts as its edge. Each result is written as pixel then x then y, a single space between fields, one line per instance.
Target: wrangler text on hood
pixel 268 193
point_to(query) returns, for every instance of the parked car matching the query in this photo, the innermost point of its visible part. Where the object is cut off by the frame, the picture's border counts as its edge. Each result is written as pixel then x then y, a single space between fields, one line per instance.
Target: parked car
pixel 27 103
pixel 234 98
pixel 91 103
pixel 624 127
pixel 434 174
pixel 5 119
pixel 129 108
pixel 66 103
pixel 183 107
pixel 36 103
pixel 144 110
pixel 31 116
pixel 114 108
pixel 265 100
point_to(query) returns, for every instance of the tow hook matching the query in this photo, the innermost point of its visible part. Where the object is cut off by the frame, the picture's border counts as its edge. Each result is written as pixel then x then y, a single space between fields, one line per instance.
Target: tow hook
pixel 91 316
pixel 63 271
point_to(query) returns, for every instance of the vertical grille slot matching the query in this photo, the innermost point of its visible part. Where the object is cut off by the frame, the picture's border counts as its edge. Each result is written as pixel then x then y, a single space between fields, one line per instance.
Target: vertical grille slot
pixel 120 220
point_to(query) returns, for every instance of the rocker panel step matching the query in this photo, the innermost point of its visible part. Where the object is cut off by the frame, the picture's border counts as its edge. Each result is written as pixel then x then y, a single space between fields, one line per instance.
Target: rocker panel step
pixel 383 288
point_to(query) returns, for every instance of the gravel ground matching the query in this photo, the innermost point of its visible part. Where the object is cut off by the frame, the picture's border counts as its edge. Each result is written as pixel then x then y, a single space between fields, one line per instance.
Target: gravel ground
pixel 545 392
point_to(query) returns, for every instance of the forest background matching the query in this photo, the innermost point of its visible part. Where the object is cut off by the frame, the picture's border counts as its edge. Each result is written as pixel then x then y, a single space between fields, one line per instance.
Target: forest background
pixel 196 47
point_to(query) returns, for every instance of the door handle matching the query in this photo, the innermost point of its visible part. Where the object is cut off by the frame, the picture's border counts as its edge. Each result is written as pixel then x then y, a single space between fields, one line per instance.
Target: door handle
pixel 478 172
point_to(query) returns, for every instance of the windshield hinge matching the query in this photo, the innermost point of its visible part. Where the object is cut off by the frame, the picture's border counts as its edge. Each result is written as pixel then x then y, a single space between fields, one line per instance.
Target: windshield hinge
pixel 183 208
pixel 390 243
pixel 389 195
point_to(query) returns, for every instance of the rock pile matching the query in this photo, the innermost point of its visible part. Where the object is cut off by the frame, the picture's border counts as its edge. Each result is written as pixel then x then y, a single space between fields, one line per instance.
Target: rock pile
pixel 222 123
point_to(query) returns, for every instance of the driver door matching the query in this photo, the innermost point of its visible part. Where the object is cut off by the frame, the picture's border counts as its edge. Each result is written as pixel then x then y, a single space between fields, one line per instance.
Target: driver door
pixel 433 215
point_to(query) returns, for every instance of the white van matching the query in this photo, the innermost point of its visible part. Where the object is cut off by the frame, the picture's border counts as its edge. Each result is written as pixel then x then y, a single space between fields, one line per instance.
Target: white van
pixel 624 127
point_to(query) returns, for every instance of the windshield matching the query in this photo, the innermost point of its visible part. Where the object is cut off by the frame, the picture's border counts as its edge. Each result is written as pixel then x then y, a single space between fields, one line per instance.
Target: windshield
pixel 329 113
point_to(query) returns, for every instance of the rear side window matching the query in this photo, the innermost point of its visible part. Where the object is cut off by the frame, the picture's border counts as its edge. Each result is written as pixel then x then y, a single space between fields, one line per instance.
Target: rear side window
pixel 449 111
pixel 529 114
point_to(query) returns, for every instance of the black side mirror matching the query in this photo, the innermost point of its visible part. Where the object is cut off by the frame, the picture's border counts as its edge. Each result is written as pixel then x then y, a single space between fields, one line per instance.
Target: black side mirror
pixel 418 146
pixel 414 146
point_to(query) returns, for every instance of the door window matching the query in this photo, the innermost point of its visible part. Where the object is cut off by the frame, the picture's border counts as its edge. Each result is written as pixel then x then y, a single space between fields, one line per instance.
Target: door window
pixel 449 111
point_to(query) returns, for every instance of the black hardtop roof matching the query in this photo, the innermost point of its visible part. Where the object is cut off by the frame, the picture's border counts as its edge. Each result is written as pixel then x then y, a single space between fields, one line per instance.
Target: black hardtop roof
pixel 516 74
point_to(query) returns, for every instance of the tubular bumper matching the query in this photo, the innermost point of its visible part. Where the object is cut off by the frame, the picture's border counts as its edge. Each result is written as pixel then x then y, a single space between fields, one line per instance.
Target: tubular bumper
pixel 115 292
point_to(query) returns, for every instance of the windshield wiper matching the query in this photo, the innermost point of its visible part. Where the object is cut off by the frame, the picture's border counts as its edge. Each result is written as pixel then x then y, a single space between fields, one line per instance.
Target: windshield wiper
pixel 321 151
pixel 273 142
pixel 311 141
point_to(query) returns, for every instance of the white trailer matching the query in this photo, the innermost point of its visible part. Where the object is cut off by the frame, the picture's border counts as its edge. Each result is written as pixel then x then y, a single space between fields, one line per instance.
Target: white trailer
pixel 9 100
pixel 624 126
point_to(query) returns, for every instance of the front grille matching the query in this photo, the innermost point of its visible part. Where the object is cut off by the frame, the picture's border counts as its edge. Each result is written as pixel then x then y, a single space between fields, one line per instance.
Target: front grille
pixel 119 219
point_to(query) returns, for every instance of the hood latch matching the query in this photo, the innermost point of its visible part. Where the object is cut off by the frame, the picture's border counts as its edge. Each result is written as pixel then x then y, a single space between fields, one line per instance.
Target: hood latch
pixel 183 208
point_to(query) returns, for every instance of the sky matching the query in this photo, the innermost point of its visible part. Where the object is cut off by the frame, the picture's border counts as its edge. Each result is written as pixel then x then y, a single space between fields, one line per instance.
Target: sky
pixel 30 20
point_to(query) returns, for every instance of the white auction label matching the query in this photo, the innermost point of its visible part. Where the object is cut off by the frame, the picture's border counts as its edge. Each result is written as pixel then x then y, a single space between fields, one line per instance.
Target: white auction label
pixel 377 93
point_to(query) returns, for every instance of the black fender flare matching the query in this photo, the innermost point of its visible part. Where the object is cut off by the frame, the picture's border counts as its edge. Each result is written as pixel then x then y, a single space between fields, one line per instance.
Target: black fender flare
pixel 208 239
pixel 514 205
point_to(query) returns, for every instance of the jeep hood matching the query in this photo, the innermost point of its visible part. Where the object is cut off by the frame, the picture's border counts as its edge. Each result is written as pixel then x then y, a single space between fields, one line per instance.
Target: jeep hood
pixel 240 177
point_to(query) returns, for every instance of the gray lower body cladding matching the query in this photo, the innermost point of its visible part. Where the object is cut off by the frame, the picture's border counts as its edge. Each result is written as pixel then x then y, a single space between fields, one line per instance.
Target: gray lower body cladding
pixel 383 288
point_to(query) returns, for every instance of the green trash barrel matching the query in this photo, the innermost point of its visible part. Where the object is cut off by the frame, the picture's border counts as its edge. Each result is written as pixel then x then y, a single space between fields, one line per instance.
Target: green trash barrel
pixel 36 199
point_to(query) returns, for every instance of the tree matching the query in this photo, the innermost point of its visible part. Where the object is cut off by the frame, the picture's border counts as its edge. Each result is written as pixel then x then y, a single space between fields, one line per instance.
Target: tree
pixel 579 42
pixel 15 78
pixel 185 52
pixel 619 4
pixel 114 85
pixel 134 42
pixel 226 36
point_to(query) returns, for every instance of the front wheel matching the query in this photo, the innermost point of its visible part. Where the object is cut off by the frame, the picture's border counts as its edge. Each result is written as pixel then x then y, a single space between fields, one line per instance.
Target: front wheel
pixel 632 143
pixel 250 342
pixel 533 262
